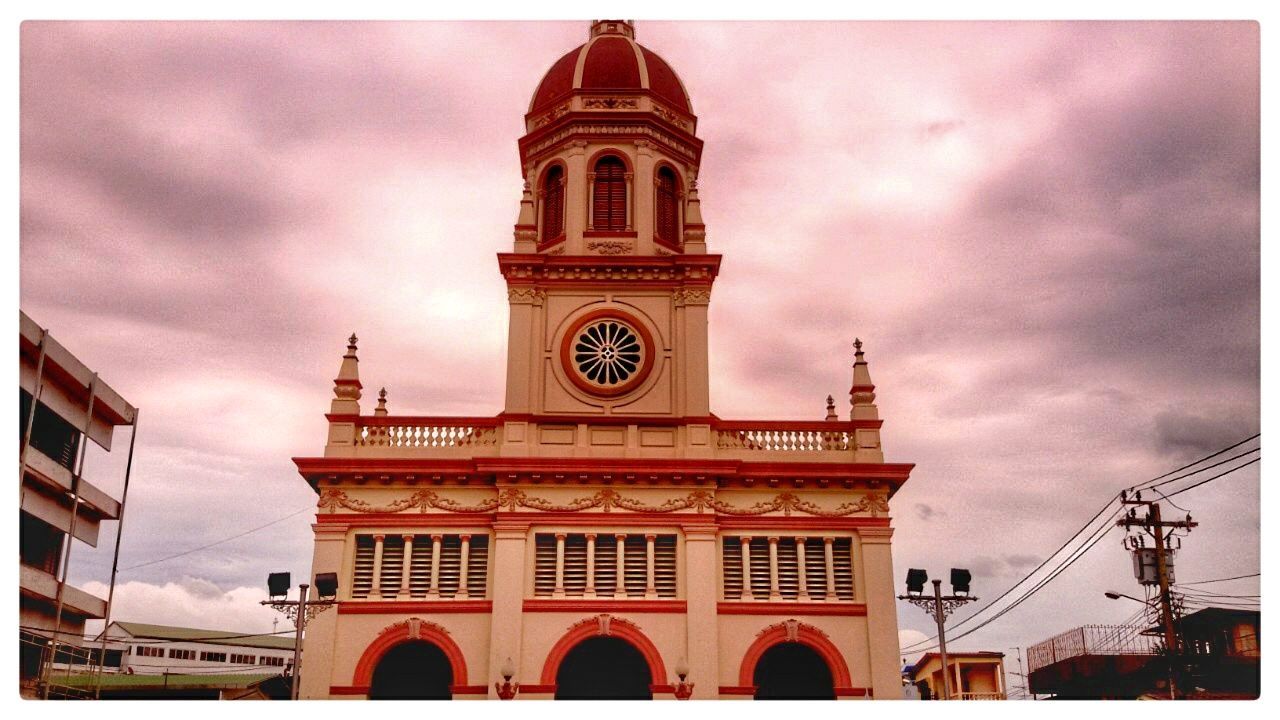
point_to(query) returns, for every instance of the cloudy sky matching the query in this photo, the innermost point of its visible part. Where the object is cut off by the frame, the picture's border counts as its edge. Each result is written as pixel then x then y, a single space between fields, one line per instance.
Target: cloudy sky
pixel 1047 234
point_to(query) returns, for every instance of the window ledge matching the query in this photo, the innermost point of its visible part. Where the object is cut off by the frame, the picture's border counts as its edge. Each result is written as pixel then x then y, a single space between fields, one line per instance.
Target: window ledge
pixel 610 234
pixel 359 607
pixel 792 607
pixel 579 604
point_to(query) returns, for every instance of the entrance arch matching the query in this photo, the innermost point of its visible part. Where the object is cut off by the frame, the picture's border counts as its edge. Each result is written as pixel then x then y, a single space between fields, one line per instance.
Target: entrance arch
pixel 604 668
pixel 795 633
pixel 793 671
pixel 414 631
pixel 413 670
pixel 607 626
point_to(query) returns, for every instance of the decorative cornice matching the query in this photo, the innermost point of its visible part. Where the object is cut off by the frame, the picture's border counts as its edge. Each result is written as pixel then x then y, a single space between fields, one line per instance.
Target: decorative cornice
pixel 691 296
pixel 526 269
pixel 512 499
pixel 332 498
pixel 526 295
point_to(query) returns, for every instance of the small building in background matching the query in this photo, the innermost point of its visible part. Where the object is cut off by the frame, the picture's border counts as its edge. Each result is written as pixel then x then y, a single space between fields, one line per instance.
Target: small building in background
pixel 61 404
pixel 1220 659
pixel 974 676
pixel 145 649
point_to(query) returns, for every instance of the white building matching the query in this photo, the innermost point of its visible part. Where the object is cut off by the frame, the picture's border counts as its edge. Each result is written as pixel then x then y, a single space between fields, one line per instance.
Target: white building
pixel 144 649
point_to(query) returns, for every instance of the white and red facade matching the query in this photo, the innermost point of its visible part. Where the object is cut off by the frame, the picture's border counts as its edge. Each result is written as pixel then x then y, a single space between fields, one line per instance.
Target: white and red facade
pixel 606 499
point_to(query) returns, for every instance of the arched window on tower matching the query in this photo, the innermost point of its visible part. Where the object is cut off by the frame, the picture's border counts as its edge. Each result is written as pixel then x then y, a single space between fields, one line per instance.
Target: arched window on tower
pixel 668 222
pixel 609 195
pixel 553 204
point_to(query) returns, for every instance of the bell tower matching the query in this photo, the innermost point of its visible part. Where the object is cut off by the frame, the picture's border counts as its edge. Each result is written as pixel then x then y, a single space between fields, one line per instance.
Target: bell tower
pixel 609 278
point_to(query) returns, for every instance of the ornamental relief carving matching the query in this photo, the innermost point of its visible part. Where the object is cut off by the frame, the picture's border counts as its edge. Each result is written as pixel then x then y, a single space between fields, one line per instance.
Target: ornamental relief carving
pixel 513 499
pixel 691 296
pixel 670 117
pixel 609 247
pixel 629 129
pixel 526 296
pixel 550 115
pixel 610 103
pixel 791 630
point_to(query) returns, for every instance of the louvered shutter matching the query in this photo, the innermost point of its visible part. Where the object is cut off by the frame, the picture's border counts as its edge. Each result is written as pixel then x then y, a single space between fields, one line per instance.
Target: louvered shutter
pixel 666 206
pixel 392 566
pixel 843 549
pixel 553 205
pixel 731 567
pixel 759 570
pixel 664 565
pixel 606 565
pixel 815 568
pixel 362 578
pixel 450 565
pixel 637 565
pixel 609 196
pixel 788 569
pixel 478 567
pixel 420 566
pixel 575 565
pixel 544 565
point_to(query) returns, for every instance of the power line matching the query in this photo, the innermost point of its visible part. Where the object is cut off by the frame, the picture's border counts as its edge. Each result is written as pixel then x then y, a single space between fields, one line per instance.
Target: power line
pixel 1229 448
pixel 218 542
pixel 1218 580
pixel 1193 486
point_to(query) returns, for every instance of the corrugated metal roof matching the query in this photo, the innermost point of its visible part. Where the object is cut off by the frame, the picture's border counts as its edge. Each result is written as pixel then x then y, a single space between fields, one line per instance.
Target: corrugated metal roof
pixel 221 637
pixel 173 681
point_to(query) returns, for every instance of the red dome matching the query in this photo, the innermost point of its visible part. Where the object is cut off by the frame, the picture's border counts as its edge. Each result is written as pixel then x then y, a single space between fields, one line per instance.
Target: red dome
pixel 614 61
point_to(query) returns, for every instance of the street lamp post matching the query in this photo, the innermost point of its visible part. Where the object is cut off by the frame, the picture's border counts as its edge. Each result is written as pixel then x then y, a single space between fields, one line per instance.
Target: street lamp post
pixel 300 611
pixel 939 606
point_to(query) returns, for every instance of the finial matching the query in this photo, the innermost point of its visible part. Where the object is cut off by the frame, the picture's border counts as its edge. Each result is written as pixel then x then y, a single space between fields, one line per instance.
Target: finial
pixel 857 346
pixel 831 409
pixel 346 387
pixel 863 393
pixel 382 403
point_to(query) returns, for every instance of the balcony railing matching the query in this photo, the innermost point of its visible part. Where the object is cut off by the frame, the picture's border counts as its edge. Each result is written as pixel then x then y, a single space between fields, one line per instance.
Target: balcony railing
pixel 784 436
pixel 426 432
pixel 1090 640
pixel 981 696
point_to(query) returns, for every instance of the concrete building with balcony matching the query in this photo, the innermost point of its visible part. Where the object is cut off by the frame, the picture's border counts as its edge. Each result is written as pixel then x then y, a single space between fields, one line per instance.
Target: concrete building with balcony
pixel 605 535
pixel 62 405
pixel 973 676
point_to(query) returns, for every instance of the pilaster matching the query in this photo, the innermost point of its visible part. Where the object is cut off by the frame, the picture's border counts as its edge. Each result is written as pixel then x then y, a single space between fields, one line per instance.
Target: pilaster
pixel 882 612
pixel 701 589
pixel 506 622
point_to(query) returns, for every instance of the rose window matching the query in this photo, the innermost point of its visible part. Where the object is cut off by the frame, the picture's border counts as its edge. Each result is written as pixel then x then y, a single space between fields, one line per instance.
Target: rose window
pixel 608 352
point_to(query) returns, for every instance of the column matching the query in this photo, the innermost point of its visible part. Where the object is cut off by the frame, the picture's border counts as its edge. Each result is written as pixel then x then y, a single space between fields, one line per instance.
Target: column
pixel 702 624
pixel 803 594
pixel 642 219
pixel 433 589
pixel 591 566
pixel 591 201
pixel 508 593
pixel 650 586
pixel 631 199
pixel 577 202
pixel 746 568
pixel 404 565
pixel 463 592
pixel 773 569
pixel 622 566
pixel 829 551
pixel 377 565
pixel 956 687
pixel 332 554
pixel 558 591
pixel 882 612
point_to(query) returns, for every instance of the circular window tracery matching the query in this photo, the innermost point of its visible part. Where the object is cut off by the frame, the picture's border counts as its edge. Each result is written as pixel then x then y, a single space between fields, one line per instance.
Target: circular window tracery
pixel 607 353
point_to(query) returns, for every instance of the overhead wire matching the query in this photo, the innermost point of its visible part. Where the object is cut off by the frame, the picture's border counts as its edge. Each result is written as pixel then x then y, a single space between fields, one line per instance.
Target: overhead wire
pixel 218 542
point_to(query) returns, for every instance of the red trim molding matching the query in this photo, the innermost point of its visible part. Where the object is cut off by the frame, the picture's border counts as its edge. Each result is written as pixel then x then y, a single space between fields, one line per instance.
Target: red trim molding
pixel 606 605
pixel 408 631
pixel 528 689
pixel 348 689
pixel 790 608
pixel 469 689
pixel 738 690
pixel 853 692
pixel 480 521
pixel 794 522
pixel 376 607
pixel 607 626
pixel 804 634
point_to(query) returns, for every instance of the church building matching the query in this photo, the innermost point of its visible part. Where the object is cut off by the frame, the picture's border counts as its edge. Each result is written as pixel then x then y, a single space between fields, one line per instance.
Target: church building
pixel 605 535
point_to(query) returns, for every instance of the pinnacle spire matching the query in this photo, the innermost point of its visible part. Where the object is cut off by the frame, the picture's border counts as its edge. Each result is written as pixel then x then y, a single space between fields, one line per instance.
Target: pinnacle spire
pixel 831 409
pixel 382 403
pixel 346 387
pixel 862 395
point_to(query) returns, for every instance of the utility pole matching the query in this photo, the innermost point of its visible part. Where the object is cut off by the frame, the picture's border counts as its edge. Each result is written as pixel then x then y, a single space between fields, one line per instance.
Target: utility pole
pixel 1026 686
pixel 1155 527
pixel 939 606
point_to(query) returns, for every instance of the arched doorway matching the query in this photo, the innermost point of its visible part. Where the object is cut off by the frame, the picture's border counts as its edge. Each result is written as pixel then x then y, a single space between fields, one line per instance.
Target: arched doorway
pixel 414 670
pixel 604 668
pixel 793 671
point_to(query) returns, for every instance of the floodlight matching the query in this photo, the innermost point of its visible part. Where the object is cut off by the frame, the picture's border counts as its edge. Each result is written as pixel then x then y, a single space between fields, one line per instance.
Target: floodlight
pixel 278 584
pixel 916 579
pixel 327 585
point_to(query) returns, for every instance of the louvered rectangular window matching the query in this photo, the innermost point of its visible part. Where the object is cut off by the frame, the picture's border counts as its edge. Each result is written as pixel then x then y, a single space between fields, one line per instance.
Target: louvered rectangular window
pixel 609 195
pixel 553 205
pixel 825 563
pixel 665 201
pixel 573 565
pixel 435 568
